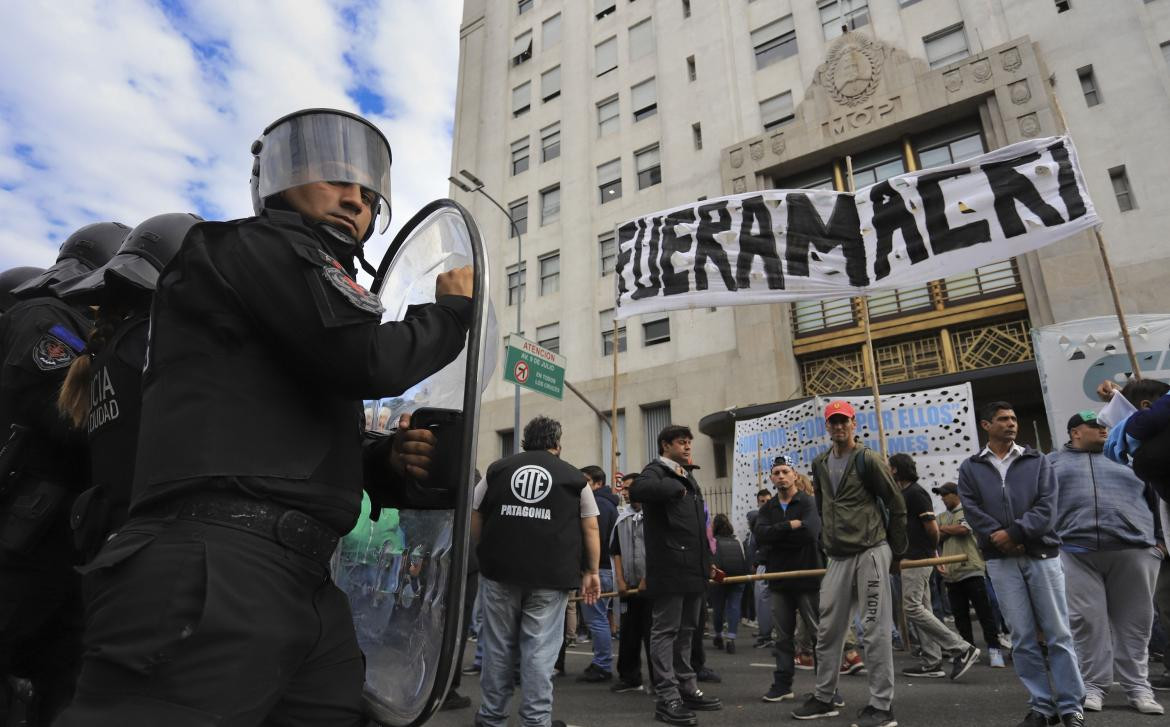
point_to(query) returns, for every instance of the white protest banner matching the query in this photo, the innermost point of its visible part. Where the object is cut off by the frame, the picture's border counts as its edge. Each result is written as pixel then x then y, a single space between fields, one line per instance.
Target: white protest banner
pixel 783 245
pixel 935 426
pixel 1073 357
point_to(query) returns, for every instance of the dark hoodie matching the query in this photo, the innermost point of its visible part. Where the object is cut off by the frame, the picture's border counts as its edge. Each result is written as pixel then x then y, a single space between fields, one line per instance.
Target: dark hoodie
pixel 607 506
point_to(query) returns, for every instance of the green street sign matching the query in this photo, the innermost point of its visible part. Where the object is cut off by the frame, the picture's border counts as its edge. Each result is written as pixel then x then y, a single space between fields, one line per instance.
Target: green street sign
pixel 535 368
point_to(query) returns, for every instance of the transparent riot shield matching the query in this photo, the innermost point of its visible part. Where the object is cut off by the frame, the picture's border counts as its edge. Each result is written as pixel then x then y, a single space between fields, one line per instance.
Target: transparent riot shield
pixel 405 574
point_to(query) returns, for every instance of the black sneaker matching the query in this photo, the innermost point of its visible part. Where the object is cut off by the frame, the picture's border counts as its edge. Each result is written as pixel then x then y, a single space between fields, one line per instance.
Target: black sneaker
pixel 593 674
pixel 621 686
pixel 707 675
pixel 471 670
pixel 1161 683
pixel 814 708
pixel 674 712
pixel 700 702
pixel 934 671
pixel 730 646
pixel 1072 719
pixel 454 700
pixel 763 644
pixel 717 642
pixel 964 661
pixel 1034 719
pixel 871 716
pixel 778 694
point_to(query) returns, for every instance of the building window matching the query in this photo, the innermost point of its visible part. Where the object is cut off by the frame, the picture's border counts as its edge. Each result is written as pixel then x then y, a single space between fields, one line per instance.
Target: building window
pixel 1089 85
pixel 550 274
pixel 811 316
pixel 524 6
pixel 645 100
pixel 816 178
pixel 1121 189
pixel 692 73
pixel 519 156
pixel 649 167
pixel 518 211
pixel 774 41
pixel 655 418
pixel 607 441
pixel 522 48
pixel 550 204
pixel 601 8
pixel 550 84
pixel 607 333
pixel 946 46
pixel 988 280
pixel 607 253
pixel 950 145
pixel 605 56
pixel 521 98
pixel 641 39
pixel 877 165
pixel 607 116
pixel 549 337
pixel 550 142
pixel 697 135
pixel 686 7
pixel 1063 6
pixel 835 14
pixel 609 180
pixel 550 32
pixel 517 285
pixel 507 437
pixel 777 111
pixel 655 331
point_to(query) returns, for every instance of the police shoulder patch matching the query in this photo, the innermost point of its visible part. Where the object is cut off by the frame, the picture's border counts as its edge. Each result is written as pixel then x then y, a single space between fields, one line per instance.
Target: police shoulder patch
pixel 56 348
pixel 355 294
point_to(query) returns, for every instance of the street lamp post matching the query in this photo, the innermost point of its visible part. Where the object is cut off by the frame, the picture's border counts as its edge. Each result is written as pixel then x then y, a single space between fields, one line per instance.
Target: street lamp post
pixel 478 187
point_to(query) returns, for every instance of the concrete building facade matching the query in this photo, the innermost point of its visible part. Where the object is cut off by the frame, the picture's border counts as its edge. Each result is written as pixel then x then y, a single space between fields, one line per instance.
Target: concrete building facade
pixel 579 115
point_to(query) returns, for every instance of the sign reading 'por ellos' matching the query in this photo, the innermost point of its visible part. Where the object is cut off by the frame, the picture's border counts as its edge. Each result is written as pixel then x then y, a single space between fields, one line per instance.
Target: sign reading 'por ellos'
pixel 778 245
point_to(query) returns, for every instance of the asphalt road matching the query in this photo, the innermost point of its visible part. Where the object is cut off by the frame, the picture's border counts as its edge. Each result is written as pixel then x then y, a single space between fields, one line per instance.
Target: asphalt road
pixel 984 696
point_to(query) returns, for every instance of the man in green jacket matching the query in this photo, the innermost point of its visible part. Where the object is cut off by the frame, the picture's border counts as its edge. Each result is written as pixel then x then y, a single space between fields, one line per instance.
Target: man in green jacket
pixel 863 531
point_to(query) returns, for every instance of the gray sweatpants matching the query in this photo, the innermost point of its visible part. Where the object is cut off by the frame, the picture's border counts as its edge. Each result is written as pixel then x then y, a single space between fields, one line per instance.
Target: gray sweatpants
pixel 863 579
pixel 675 617
pixel 933 635
pixel 1110 611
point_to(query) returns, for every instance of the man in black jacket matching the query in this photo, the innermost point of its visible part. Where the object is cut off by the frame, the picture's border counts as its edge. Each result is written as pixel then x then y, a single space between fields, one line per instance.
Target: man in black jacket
pixel 678 564
pixel 789 526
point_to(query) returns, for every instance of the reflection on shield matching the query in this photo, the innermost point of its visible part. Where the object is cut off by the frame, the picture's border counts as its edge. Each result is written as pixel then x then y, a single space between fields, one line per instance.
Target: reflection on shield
pixel 405 574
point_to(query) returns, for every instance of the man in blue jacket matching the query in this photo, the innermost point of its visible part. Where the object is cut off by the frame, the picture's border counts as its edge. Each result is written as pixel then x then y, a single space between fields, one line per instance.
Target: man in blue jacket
pixel 1009 495
pixel 1105 519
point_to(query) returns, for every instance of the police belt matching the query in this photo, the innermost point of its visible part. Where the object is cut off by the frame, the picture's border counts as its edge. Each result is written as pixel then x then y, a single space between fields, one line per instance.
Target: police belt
pixel 291 528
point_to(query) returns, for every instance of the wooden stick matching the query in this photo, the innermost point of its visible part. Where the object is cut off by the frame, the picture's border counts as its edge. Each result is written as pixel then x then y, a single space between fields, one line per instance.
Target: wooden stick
pixel 613 411
pixel 811 573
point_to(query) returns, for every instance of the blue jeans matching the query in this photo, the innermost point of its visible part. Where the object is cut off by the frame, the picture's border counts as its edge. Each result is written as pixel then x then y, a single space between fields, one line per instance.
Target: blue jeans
pixel 597 619
pixel 522 626
pixel 1031 595
pixel 725 604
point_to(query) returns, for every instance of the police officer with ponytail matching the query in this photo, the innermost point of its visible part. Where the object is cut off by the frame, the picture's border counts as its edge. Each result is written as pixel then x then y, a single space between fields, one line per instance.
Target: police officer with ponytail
pixel 102 394
pixel 213 603
pixel 43 467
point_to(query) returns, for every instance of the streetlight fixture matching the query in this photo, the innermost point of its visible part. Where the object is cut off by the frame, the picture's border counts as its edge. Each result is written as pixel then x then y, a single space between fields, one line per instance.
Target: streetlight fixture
pixel 478 187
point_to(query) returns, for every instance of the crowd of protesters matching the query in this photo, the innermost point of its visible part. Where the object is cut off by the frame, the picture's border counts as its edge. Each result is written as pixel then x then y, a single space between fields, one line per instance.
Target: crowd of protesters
pixel 1062 558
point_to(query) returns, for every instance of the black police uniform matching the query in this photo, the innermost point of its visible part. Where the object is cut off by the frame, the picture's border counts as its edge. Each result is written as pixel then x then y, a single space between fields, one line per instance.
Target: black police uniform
pixel 214 603
pixel 112 427
pixel 531 533
pixel 44 467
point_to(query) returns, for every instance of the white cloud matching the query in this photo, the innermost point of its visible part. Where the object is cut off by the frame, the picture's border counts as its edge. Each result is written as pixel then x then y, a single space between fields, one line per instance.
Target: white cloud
pixel 129 109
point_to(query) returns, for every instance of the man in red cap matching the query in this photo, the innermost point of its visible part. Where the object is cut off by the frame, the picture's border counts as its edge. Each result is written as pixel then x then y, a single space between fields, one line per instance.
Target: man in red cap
pixel 863 531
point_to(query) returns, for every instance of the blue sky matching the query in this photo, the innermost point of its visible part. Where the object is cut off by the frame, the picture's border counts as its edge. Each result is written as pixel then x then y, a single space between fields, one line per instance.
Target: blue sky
pixel 123 109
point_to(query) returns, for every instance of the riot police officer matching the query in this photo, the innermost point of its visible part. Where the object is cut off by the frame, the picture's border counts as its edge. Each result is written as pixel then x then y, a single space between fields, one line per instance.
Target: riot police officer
pixel 10 279
pixel 42 467
pixel 213 603
pixel 102 393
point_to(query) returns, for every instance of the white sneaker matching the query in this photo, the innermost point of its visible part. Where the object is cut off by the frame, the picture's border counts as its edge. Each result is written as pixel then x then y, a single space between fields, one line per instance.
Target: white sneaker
pixel 1093 702
pixel 995 659
pixel 1145 705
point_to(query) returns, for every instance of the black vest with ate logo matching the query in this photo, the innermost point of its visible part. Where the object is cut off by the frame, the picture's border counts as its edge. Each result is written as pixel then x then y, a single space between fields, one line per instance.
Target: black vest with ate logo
pixel 115 398
pixel 531 512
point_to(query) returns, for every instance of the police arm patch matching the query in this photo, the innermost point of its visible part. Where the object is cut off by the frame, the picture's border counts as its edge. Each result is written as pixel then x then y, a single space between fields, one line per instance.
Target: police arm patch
pixel 354 294
pixel 57 348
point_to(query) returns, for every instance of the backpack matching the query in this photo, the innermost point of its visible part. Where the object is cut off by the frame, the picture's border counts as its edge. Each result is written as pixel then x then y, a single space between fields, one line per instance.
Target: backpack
pixel 861 467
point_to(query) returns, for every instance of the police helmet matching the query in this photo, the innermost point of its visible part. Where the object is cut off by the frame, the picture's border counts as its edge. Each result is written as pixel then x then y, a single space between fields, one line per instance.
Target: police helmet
pixel 11 278
pixel 85 250
pixel 140 259
pixel 322 145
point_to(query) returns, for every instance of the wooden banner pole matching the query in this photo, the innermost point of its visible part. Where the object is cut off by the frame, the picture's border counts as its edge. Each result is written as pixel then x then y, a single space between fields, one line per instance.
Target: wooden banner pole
pixel 613 411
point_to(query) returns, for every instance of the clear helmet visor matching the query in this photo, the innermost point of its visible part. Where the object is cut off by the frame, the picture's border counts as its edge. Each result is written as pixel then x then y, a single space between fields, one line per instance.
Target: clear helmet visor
pixel 325 146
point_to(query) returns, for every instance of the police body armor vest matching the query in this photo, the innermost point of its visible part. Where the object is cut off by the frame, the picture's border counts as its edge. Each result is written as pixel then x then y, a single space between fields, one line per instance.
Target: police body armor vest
pixel 115 409
pixel 221 400
pixel 532 522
